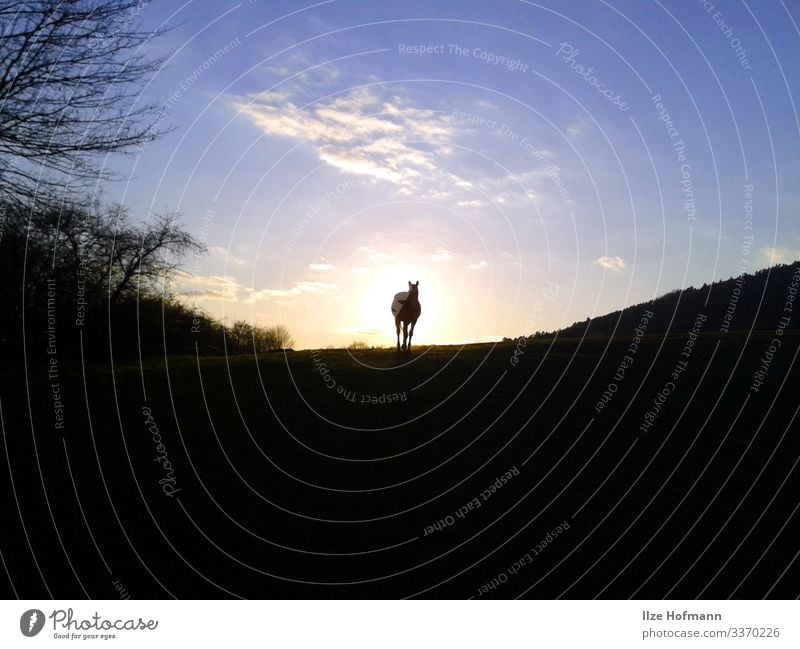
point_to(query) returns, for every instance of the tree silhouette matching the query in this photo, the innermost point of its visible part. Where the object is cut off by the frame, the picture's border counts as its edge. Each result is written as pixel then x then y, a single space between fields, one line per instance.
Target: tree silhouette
pixel 70 75
pixel 752 300
pixel 94 255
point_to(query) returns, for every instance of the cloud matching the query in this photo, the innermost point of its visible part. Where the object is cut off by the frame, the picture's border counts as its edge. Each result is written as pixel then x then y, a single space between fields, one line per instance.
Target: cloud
pixel 441 255
pixel 375 255
pixel 369 332
pixel 481 265
pixel 386 137
pixel 522 188
pixel 510 259
pixel 303 67
pixel 225 287
pixel 574 130
pixel 770 256
pixel 208 287
pixel 225 253
pixel 358 133
pixel 578 128
pixel 611 263
pixel 297 289
pixel 491 338
pixel 321 267
pixel 362 133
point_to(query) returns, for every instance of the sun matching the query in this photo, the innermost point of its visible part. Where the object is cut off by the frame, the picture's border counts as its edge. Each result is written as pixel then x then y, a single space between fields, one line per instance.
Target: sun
pixel 373 317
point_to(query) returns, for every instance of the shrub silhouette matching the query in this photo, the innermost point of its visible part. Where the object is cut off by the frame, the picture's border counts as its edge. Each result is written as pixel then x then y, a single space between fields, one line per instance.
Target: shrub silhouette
pixel 87 279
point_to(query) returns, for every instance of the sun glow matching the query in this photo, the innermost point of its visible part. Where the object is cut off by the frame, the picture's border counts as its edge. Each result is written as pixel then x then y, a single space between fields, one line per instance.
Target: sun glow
pixel 374 323
pixel 455 292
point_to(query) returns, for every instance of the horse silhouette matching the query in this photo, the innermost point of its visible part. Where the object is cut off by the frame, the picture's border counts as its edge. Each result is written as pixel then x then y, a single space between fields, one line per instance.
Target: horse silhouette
pixel 406 309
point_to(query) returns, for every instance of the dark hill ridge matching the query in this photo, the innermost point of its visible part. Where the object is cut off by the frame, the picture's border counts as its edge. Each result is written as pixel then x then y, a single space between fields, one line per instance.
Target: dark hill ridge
pixel 762 301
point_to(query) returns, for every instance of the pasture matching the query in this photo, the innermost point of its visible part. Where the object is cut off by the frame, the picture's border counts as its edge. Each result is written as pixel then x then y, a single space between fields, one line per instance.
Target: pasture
pixel 440 473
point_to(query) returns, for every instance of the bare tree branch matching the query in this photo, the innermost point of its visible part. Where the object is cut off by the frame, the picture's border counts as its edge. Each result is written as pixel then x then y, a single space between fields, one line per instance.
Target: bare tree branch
pixel 71 73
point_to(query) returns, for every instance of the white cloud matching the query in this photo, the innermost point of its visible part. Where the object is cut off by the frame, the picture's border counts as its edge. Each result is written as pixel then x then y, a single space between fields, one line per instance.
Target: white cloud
pixel 770 256
pixel 481 265
pixel 511 259
pixel 225 287
pixel 441 255
pixel 388 138
pixel 522 188
pixel 578 128
pixel 375 255
pixel 491 338
pixel 364 134
pixel 368 332
pixel 208 287
pixel 297 289
pixel 574 131
pixel 322 268
pixel 611 263
pixel 225 254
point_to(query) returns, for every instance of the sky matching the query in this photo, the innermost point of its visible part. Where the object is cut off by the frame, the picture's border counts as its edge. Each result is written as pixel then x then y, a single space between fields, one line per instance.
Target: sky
pixel 530 164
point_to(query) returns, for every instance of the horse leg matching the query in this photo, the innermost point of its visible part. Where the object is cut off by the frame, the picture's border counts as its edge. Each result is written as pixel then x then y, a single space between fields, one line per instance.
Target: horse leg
pixel 397 324
pixel 411 334
pixel 405 334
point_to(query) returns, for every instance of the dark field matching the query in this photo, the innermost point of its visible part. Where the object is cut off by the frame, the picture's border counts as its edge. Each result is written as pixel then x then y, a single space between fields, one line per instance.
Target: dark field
pixel 272 481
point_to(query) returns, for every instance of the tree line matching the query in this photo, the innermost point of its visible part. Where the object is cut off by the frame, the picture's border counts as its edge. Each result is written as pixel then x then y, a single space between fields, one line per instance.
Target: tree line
pixel 88 278
pixel 77 275
pixel 752 301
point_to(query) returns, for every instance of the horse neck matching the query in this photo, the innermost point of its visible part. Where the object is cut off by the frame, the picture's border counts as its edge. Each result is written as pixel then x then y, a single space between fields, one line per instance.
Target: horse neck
pixel 413 297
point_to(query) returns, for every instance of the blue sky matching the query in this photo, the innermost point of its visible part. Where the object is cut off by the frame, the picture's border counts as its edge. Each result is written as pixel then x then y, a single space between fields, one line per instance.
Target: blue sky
pixel 514 157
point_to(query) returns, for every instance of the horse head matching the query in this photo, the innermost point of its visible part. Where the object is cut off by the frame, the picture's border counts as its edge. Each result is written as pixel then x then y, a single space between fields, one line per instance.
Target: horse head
pixel 413 292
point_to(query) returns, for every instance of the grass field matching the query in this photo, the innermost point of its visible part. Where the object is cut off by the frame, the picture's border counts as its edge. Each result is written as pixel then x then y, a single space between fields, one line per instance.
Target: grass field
pixel 332 473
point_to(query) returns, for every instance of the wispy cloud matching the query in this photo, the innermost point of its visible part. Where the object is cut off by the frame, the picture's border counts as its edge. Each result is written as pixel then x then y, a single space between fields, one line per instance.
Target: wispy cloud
pixel 296 289
pixel 360 133
pixel 781 255
pixel 441 255
pixel 208 287
pixel 491 338
pixel 227 288
pixel 225 254
pixel 321 268
pixel 611 263
pixel 481 265
pixel 390 138
pixel 516 188
pixel 510 259
pixel 373 254
pixel 577 128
